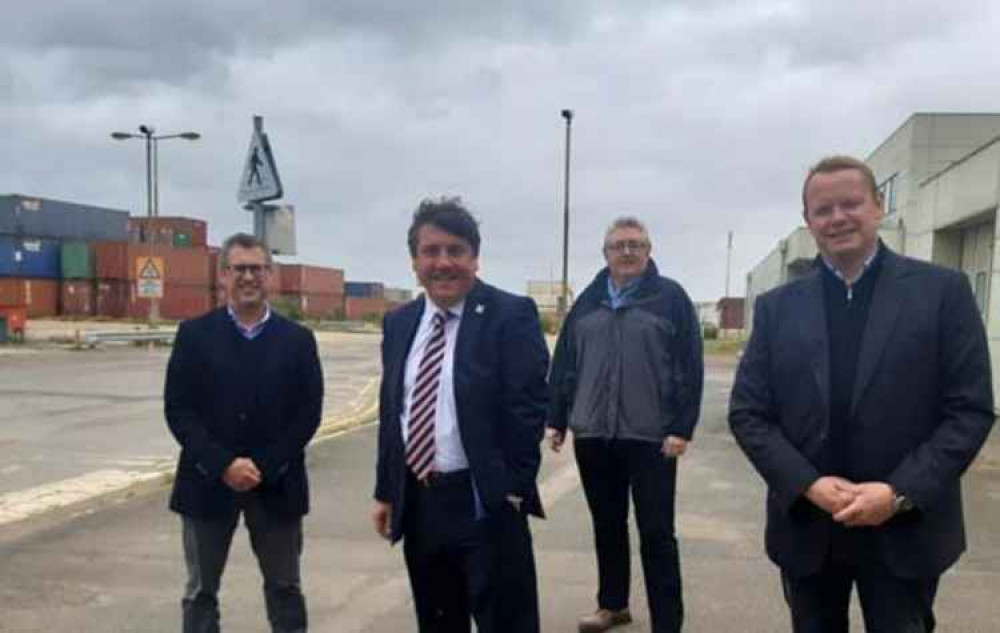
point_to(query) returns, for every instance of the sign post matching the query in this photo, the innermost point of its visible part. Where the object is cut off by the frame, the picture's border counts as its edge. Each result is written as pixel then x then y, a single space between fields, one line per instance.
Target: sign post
pixel 259 183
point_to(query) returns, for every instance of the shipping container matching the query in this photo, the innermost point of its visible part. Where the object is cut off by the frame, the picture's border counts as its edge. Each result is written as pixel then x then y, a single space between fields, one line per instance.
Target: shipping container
pixel 118 299
pixel 364 289
pixel 358 308
pixel 302 279
pixel 175 231
pixel 55 219
pixel 77 260
pixel 76 298
pixel 112 298
pixel 29 257
pixel 117 260
pixel 39 296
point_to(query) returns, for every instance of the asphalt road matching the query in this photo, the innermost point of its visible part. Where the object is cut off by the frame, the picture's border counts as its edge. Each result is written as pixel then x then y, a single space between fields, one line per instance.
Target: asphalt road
pixel 67 414
pixel 120 568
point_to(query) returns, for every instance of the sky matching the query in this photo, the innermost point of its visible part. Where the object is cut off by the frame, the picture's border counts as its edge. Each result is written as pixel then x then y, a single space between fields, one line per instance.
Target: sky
pixel 697 116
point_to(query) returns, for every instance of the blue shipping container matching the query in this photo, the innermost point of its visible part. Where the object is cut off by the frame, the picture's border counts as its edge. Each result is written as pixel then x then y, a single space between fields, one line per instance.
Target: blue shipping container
pixel 30 257
pixel 364 289
pixel 40 217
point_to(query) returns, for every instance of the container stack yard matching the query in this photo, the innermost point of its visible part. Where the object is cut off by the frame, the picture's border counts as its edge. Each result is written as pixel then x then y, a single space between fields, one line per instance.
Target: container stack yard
pixel 80 261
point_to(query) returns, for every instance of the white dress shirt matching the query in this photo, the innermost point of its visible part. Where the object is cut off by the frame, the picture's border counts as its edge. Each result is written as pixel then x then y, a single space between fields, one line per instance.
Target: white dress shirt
pixel 449 454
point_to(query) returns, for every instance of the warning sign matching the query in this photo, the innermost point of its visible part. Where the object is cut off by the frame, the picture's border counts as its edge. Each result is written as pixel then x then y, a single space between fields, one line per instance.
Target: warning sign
pixel 149 277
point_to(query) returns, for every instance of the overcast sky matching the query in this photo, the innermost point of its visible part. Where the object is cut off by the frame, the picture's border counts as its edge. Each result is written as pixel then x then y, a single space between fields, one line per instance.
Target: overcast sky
pixel 698 116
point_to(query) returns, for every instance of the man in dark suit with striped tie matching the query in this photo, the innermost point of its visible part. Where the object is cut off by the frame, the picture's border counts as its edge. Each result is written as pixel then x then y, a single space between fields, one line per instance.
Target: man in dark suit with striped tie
pixel 462 412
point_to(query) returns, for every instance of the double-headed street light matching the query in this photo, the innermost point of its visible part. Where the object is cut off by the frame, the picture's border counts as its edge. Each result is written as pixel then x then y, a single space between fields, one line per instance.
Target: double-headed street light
pixel 152 186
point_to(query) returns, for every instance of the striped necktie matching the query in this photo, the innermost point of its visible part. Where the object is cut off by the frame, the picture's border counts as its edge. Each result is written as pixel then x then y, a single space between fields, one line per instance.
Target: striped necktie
pixel 423 404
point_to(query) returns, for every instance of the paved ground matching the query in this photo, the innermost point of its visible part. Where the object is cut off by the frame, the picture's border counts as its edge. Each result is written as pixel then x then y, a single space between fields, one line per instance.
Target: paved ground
pixel 76 422
pixel 119 569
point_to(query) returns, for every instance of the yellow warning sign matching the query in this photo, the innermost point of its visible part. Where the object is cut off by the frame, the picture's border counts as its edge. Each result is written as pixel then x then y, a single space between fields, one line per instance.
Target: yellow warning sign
pixel 149 271
pixel 149 267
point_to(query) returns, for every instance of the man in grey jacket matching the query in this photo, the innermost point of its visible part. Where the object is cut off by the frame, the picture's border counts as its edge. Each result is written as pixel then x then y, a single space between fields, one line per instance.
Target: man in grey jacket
pixel 627 379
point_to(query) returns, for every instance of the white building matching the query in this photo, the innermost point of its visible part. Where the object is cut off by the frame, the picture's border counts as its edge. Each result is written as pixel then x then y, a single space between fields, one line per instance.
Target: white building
pixel 940 176
pixel 546 295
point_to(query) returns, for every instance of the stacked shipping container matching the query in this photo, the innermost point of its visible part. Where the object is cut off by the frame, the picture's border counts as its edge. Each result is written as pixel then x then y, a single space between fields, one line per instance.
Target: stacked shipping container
pixel 315 291
pixel 186 281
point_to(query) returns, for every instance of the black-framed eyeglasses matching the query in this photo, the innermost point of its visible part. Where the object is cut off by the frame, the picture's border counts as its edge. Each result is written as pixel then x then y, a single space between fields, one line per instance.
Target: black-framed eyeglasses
pixel 254 269
pixel 632 246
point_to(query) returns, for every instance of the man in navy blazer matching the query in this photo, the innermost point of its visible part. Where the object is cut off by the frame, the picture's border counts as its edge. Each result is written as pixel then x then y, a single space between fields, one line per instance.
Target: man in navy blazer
pixel 863 395
pixel 244 395
pixel 462 413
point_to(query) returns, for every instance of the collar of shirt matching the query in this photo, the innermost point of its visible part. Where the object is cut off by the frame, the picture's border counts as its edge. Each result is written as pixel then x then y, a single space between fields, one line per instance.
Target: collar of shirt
pixel 864 267
pixel 252 331
pixel 431 308
pixel 619 296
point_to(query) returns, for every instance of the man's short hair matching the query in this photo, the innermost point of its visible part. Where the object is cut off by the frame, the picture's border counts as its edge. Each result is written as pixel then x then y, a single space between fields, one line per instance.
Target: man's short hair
pixel 243 240
pixel 447 214
pixel 840 162
pixel 626 222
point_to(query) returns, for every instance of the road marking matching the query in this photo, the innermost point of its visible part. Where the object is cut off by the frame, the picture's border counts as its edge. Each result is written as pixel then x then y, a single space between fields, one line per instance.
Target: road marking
pixel 22 504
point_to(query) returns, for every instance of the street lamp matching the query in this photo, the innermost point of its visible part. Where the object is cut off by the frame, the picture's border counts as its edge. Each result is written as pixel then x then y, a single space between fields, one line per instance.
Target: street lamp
pixel 564 294
pixel 148 133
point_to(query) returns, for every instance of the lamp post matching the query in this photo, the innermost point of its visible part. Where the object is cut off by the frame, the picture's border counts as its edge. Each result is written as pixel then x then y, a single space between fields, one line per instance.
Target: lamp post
pixel 148 133
pixel 564 291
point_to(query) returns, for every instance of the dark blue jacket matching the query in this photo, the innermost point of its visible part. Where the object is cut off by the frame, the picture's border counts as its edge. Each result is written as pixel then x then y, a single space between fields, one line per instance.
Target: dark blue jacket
pixel 227 397
pixel 500 394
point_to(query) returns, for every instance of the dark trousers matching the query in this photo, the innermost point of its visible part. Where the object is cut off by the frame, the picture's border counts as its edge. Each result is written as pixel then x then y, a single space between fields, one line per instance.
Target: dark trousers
pixel 608 470
pixel 463 568
pixel 819 603
pixel 277 543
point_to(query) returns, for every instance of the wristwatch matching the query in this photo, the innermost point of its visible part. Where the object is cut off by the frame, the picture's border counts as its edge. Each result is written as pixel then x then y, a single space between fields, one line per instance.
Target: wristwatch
pixel 900 503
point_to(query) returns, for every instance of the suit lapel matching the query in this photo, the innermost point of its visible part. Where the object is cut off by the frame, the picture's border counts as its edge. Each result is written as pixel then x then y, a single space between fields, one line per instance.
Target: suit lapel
pixel 409 323
pixel 813 329
pixel 468 332
pixel 887 299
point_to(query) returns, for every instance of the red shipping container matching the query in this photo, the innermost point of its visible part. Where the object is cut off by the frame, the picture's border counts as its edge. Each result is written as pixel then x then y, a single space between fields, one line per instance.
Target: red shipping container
pixel 357 308
pixel 179 302
pixel 42 297
pixel 117 260
pixel 77 298
pixel 309 280
pixel 315 306
pixel 12 291
pixel 112 298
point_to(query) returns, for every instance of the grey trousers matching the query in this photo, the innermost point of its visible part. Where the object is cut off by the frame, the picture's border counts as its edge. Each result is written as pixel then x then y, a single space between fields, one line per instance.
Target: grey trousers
pixel 277 544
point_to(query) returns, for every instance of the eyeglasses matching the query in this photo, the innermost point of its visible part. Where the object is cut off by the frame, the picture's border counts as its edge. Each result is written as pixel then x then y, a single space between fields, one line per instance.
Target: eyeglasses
pixel 254 269
pixel 632 246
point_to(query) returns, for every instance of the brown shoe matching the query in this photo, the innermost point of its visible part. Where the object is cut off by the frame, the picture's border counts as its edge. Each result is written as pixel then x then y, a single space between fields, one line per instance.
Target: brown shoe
pixel 604 619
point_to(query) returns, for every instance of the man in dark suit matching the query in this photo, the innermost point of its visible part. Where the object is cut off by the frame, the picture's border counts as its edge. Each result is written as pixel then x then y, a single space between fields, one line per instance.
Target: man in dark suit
pixel 462 413
pixel 863 395
pixel 243 397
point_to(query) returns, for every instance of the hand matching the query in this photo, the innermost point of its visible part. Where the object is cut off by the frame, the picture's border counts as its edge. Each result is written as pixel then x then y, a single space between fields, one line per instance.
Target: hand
pixel 873 505
pixel 674 446
pixel 242 475
pixel 831 494
pixel 556 439
pixel 382 519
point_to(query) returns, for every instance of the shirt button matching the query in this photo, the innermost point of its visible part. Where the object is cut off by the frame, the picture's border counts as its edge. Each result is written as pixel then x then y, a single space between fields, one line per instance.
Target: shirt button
pixel 243 417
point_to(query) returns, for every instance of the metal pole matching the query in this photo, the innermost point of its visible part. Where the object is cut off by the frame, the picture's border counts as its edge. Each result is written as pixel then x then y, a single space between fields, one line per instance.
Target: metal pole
pixel 154 304
pixel 729 259
pixel 564 290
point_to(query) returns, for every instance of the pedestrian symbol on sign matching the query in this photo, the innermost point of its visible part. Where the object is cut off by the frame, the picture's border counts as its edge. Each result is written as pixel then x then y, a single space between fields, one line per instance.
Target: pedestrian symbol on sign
pixel 149 270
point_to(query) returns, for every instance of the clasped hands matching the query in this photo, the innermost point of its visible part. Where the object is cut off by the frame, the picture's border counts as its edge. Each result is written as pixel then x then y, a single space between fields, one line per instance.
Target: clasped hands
pixel 242 475
pixel 853 504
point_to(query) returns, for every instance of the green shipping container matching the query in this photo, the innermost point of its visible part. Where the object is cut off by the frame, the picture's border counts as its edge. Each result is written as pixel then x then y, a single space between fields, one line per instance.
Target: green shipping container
pixel 77 260
pixel 3 329
pixel 182 240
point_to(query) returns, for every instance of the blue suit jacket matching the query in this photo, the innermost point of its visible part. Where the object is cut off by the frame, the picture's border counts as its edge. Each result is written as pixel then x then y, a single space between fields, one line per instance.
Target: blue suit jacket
pixel 922 407
pixel 500 393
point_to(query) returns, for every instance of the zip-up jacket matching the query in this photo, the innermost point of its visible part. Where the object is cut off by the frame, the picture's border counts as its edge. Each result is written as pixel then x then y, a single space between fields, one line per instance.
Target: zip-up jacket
pixel 632 372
